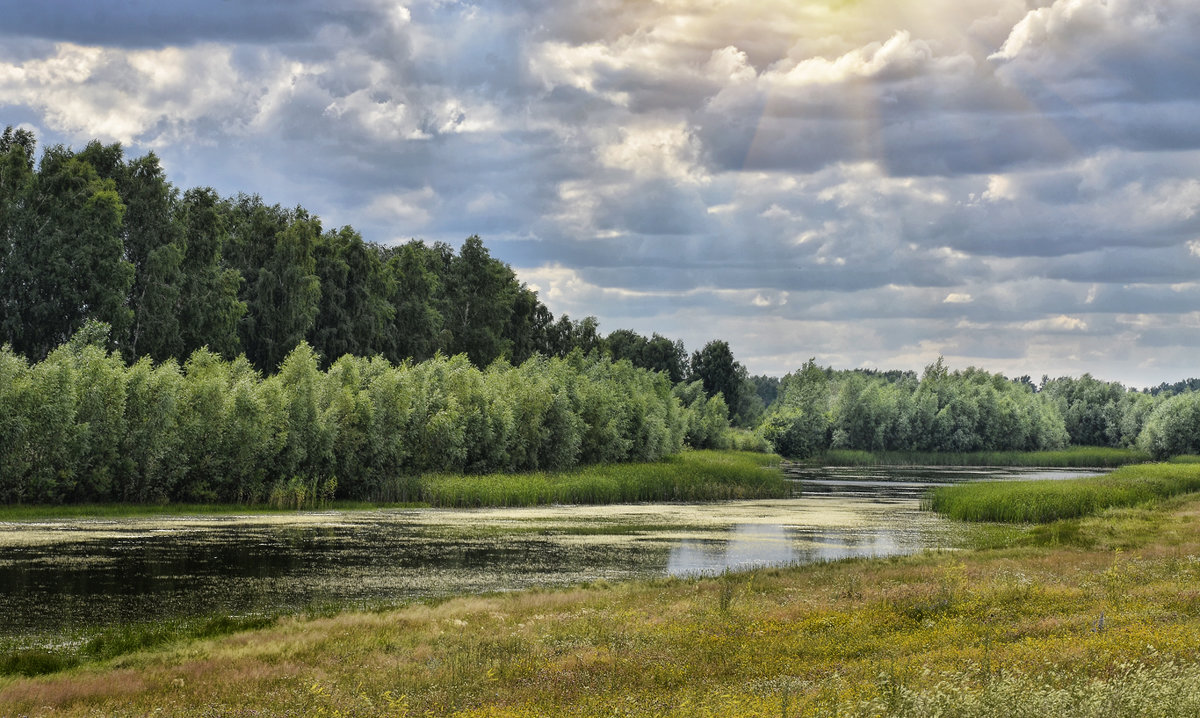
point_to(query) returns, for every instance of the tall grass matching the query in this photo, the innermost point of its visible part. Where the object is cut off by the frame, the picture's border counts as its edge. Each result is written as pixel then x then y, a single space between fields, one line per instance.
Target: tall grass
pixel 1050 500
pixel 1074 457
pixel 690 476
pixel 122 640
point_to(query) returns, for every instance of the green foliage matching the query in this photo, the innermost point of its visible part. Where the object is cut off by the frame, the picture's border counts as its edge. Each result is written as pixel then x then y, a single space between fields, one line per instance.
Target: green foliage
pixel 746 440
pixel 707 419
pixel 715 366
pixel 479 297
pixel 1050 500
pixel 799 423
pixel 94 235
pixel 63 259
pixel 1093 411
pixel 945 412
pixel 209 307
pixel 82 426
pixel 657 353
pixel 283 296
pixel 1173 427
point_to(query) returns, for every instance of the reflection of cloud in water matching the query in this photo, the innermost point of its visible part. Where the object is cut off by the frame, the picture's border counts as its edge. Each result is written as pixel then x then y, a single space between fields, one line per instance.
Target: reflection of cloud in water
pixel 749 545
pixel 758 545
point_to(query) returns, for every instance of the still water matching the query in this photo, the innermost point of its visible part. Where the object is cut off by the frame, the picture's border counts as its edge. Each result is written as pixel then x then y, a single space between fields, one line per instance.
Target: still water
pixel 58 577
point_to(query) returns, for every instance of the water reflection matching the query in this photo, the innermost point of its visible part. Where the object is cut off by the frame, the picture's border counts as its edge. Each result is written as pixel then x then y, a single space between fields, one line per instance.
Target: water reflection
pixel 59 575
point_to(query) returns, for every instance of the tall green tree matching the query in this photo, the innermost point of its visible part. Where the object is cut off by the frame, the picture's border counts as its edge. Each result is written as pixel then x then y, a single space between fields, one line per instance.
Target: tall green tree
pixel 209 309
pixel 65 260
pixel 274 249
pixel 16 172
pixel 356 313
pixel 154 244
pixel 526 333
pixel 721 373
pixel 417 322
pixel 478 303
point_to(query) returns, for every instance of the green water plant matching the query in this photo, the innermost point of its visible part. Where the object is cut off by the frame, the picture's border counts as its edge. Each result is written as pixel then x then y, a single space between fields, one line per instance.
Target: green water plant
pixel 1052 500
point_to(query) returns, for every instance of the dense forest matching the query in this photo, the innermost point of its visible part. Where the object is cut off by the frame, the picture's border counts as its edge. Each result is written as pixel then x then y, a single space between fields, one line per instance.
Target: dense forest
pixel 167 345
pixel 91 235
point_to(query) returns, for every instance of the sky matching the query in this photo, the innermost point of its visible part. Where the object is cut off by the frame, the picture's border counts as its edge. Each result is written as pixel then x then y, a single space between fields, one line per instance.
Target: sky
pixel 1010 184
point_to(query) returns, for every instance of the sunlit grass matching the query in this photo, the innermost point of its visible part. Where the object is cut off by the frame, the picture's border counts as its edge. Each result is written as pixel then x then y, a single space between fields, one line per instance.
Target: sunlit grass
pixel 115 641
pixel 1051 500
pixel 1074 457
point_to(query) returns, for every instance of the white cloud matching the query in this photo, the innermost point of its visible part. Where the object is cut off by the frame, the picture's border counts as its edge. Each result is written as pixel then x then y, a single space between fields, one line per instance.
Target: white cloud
pixel 411 209
pixel 656 150
pixel 1060 323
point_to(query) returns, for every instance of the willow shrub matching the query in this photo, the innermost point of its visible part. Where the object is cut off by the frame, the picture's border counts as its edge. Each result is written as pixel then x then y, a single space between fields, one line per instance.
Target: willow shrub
pixel 1173 427
pixel 82 426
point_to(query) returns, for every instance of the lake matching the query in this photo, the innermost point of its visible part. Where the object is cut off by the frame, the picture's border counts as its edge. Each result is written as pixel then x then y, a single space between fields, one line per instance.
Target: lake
pixel 65 577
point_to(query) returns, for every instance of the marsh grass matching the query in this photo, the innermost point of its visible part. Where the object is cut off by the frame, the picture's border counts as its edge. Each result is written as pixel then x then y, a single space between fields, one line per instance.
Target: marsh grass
pixel 1053 500
pixel 1074 457
pixel 690 476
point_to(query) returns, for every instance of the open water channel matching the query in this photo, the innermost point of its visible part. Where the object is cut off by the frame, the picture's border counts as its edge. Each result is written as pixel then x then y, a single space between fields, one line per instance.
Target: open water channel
pixel 66 576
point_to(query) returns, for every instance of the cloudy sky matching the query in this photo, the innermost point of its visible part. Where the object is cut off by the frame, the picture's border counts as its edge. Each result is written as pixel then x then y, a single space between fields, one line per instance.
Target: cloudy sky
pixel 1013 184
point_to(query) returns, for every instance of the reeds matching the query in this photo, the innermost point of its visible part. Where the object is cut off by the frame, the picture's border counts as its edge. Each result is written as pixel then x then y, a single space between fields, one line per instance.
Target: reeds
pixel 1051 500
pixel 1074 457
pixel 690 476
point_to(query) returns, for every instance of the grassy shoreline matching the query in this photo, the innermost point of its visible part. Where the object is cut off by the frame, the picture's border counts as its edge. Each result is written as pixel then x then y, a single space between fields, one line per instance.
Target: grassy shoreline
pixel 689 476
pixel 1105 623
pixel 1074 457
pixel 1046 501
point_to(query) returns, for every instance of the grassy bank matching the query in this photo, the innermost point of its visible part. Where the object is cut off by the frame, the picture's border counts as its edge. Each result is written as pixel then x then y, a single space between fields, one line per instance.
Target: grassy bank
pixel 690 476
pixel 1074 457
pixel 1108 625
pixel 1045 501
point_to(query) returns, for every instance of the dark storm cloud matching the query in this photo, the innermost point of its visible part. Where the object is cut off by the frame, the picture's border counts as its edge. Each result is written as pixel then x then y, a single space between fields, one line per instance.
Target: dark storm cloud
pixel 152 23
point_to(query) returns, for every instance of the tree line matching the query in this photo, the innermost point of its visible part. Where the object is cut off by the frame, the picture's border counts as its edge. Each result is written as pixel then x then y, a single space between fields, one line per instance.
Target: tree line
pixel 93 235
pixel 83 425
pixel 973 410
